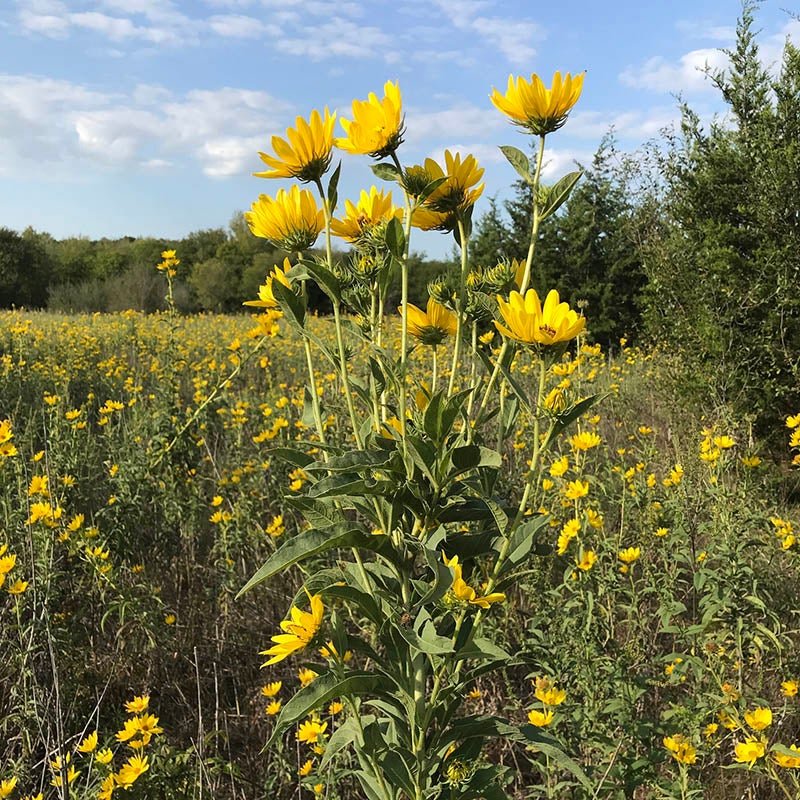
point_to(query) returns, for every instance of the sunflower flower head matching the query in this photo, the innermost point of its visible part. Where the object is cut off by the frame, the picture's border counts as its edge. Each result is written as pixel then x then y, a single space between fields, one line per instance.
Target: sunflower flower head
pixel 377 126
pixel 363 218
pixel 432 325
pixel 536 108
pixel 307 155
pixel 527 321
pixel 454 196
pixel 291 220
pixel 298 631
pixel 266 299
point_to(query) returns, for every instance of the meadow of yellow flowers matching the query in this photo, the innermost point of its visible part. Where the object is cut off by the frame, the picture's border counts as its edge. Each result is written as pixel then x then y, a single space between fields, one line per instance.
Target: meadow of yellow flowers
pixel 479 557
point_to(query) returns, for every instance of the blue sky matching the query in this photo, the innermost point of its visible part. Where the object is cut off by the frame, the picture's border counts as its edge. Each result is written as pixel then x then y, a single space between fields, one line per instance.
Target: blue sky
pixel 145 117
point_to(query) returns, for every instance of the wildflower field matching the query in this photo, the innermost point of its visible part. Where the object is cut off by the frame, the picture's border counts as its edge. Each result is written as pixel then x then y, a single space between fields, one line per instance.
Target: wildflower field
pixel 456 551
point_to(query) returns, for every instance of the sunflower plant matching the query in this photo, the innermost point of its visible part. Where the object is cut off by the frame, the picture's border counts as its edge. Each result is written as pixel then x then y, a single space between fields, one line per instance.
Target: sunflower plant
pixel 429 530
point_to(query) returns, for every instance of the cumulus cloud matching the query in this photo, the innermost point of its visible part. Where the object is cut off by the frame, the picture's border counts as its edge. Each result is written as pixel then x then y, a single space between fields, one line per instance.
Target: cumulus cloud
pixel 57 126
pixel 511 36
pixel 686 75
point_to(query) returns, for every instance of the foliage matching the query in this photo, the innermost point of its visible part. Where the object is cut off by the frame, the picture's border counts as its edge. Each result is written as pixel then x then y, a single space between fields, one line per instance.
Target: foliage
pixel 723 242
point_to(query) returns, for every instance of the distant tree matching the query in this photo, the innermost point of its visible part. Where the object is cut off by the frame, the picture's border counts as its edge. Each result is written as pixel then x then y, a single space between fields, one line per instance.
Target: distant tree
pixel 25 267
pixel 723 259
pixel 586 250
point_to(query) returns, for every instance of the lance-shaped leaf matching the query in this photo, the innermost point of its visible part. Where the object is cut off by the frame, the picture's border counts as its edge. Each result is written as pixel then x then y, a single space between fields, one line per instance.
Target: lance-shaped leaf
pixel 325 279
pixel 518 160
pixel 396 238
pixel 313 542
pixel 292 305
pixel 386 172
pixel 557 194
pixel 568 416
pixel 323 690
pixel 333 185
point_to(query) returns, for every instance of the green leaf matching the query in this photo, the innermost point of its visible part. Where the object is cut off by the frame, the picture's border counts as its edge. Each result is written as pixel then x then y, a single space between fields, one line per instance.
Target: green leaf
pixel 522 542
pixel 323 690
pixel 386 172
pixel 396 238
pixel 312 542
pixel 568 416
pixel 352 462
pixel 472 456
pixel 342 737
pixel 291 455
pixel 430 188
pixel 333 185
pixel 292 305
pixel 549 746
pixel 325 279
pixel 396 770
pixel 558 194
pixel 518 160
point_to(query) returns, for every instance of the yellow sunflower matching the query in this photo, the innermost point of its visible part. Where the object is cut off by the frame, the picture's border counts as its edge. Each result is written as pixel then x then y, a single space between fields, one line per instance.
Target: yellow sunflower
pixel 307 154
pixel 530 322
pixel 266 299
pixel 459 192
pixel 431 326
pixel 297 631
pixel 377 125
pixel 291 220
pixel 532 106
pixel 371 210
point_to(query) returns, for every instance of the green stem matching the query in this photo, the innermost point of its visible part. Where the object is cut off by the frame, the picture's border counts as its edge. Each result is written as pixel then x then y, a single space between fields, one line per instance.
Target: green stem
pixel 462 296
pixel 404 306
pixel 526 278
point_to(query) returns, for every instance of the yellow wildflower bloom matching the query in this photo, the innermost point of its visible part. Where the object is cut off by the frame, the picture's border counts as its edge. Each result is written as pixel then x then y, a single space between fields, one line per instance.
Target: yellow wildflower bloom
pixel 132 770
pixel 540 719
pixel 291 220
pixel 758 718
pixel 371 210
pixel 559 467
pixel 305 676
pixel 630 554
pixel 748 752
pixel 307 154
pixel 89 744
pixel 138 704
pixel 551 696
pixel 530 322
pixel 584 441
pixel 576 489
pixel 466 593
pixel 271 689
pixel 377 126
pixel 587 560
pixel 7 786
pixel 297 632
pixel 107 787
pixel 681 749
pixel 273 708
pixel 311 731
pixel 104 756
pixel 455 195
pixel 537 109
pixel 335 708
pixel 432 325
pixel 789 688
pixel 787 761
pixel 305 769
pixel 266 299
pixel 18 587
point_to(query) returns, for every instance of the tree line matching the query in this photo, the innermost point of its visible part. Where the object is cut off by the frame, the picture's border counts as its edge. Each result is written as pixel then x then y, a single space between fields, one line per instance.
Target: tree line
pixel 694 241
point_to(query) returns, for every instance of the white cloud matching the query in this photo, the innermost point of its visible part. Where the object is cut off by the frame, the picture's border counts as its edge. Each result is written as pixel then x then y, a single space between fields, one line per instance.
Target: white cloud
pixel 470 121
pixel 239 26
pixel 687 75
pixel 639 125
pixel 58 127
pixel 513 37
pixel 338 38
